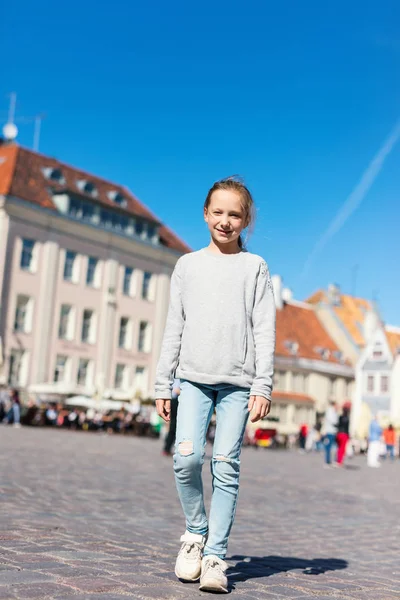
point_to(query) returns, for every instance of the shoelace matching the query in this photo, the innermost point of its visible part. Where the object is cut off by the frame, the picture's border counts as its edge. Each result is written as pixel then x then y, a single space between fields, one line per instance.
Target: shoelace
pixel 214 564
pixel 189 546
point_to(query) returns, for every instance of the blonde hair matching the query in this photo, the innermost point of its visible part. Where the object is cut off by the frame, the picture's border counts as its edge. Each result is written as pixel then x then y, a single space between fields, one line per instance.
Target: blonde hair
pixel 235 184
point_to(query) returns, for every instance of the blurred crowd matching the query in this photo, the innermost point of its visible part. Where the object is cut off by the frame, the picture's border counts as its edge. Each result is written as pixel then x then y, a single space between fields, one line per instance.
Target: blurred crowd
pixel 330 435
pixel 145 422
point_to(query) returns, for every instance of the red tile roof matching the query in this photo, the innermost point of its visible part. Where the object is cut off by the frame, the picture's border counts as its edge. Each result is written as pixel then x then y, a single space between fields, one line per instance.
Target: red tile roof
pixel 393 338
pixel 21 175
pixel 292 397
pixel 300 324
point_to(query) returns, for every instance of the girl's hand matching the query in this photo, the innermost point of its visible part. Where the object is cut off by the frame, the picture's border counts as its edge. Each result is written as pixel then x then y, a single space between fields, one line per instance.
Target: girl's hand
pixel 163 408
pixel 260 407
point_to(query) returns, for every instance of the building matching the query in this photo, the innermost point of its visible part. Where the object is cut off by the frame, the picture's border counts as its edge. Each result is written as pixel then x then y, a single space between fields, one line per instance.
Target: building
pixel 310 369
pixel 84 272
pixel 373 348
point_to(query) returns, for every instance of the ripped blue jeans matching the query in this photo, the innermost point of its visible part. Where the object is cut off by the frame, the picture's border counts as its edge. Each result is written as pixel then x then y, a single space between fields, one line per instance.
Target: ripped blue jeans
pixel 195 409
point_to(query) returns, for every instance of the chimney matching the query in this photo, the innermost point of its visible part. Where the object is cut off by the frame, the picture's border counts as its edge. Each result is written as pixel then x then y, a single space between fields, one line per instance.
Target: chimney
pixel 370 325
pixel 334 294
pixel 278 290
pixel 287 294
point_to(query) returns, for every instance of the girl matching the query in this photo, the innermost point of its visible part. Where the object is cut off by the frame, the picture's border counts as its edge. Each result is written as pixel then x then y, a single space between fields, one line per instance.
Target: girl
pixel 219 341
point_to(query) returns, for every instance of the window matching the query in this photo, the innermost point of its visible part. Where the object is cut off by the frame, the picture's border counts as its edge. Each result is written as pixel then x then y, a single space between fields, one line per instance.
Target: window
pixel 128 280
pixel 377 353
pixel 105 219
pixel 87 211
pixel 117 198
pixel 70 266
pixel 151 231
pixel 146 285
pixel 121 377
pixel 60 369
pixel 280 380
pixel 83 371
pixel 139 228
pixel 18 368
pixel 384 384
pixel 370 383
pixel 298 382
pixel 332 387
pixel 27 255
pixel 144 344
pixel 125 333
pixel 140 383
pixel 23 314
pixel 67 322
pixel 88 333
pixel 92 269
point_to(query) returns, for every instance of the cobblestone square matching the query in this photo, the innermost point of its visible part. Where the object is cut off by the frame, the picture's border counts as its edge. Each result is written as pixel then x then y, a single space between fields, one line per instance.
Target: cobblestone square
pixel 96 516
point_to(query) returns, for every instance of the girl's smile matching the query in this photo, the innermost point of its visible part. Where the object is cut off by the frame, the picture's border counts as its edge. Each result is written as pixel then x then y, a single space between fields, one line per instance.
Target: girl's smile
pixel 225 219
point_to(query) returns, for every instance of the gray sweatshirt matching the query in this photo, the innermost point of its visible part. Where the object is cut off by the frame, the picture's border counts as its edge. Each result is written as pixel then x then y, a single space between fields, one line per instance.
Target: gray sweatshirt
pixel 221 323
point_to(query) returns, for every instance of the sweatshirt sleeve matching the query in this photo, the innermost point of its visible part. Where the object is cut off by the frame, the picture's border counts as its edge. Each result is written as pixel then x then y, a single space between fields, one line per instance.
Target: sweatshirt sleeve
pixel 264 317
pixel 171 344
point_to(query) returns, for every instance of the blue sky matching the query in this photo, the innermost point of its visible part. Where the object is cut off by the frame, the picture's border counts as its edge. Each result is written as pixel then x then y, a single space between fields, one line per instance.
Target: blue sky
pixel 297 97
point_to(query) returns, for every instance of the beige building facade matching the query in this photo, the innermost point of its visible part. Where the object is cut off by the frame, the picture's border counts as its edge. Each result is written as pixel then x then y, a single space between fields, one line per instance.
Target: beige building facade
pixel 85 273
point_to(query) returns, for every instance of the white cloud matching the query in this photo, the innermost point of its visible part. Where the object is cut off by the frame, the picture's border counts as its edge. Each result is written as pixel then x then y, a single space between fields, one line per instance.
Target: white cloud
pixel 354 200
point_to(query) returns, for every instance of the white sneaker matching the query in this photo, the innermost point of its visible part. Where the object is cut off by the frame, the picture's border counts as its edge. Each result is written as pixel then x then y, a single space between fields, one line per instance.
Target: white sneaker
pixel 213 574
pixel 188 562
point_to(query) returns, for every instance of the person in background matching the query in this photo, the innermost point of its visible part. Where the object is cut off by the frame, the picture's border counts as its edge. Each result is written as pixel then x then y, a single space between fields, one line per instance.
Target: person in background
pixel 330 430
pixel 303 436
pixel 343 435
pixel 389 435
pixel 16 408
pixel 170 438
pixel 374 443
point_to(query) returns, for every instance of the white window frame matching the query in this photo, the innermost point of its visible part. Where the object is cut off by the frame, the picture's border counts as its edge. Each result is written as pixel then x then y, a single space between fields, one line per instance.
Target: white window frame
pixel 149 288
pixel 22 367
pixel 91 338
pixel 382 378
pixel 75 267
pixel 127 342
pixel 33 263
pixel 27 315
pixel 70 329
pixel 96 273
pixel 145 343
pixel 133 283
pixel 121 377
pixel 65 369
pixel 140 382
pixel 371 378
pixel 87 372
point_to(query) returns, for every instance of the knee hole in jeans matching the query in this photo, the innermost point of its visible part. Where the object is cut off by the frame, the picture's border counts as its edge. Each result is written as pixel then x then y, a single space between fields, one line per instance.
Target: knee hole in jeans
pixel 221 458
pixel 185 448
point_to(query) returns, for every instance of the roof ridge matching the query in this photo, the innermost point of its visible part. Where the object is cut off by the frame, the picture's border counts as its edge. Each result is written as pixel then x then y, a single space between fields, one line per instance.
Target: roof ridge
pixel 392 328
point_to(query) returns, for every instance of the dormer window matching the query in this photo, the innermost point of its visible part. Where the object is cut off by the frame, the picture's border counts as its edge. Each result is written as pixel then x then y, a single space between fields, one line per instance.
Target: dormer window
pixel 338 355
pixel 293 347
pixel 324 352
pixel 87 187
pixel 377 353
pixel 54 174
pixel 117 198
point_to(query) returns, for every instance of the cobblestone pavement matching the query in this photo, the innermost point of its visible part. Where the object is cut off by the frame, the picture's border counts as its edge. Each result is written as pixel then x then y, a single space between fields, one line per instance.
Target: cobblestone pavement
pixel 95 516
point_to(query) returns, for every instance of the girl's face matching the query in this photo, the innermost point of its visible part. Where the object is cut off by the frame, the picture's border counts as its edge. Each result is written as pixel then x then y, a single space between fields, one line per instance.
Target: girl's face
pixel 225 217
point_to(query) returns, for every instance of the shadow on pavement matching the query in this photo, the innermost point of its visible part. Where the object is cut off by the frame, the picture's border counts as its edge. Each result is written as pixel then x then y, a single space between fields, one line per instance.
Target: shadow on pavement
pixel 252 567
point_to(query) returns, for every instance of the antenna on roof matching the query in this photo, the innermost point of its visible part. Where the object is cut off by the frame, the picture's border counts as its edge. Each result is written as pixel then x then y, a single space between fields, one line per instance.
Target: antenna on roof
pixel 36 133
pixel 10 130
